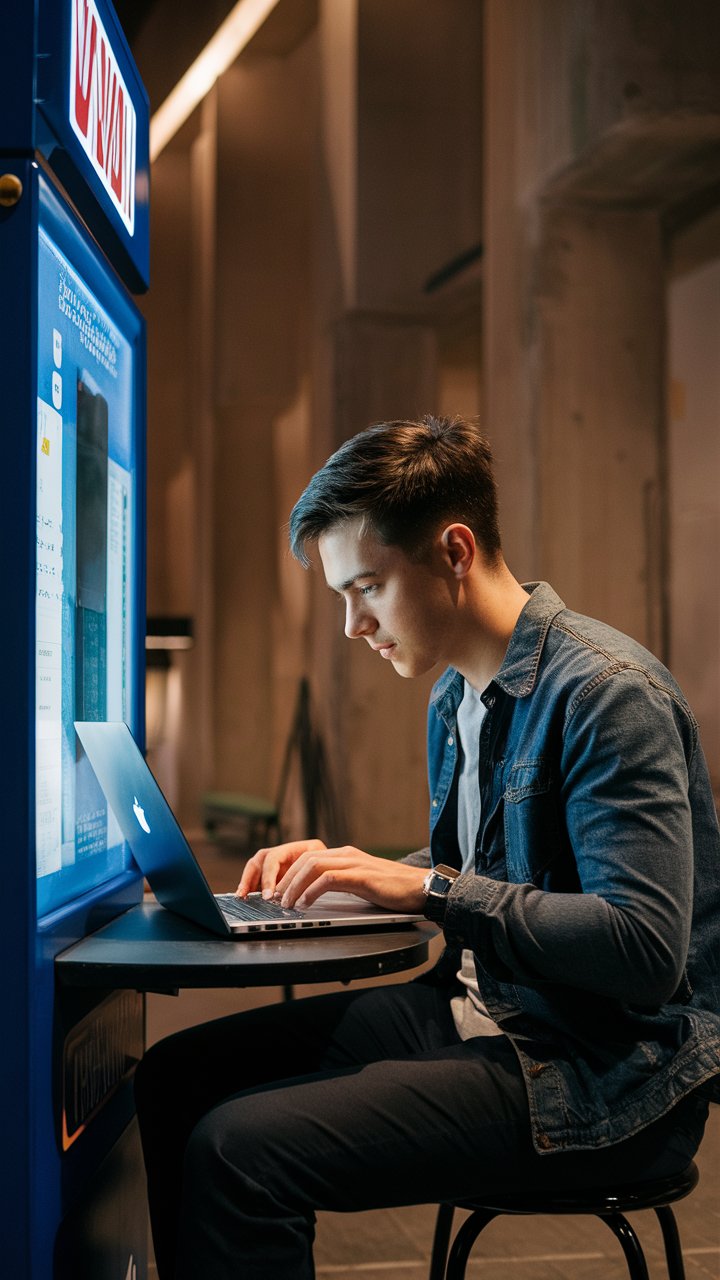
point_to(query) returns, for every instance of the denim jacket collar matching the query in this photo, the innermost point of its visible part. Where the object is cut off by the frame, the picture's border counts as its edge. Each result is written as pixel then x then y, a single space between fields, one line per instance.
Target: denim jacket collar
pixel 518 673
pixel 519 669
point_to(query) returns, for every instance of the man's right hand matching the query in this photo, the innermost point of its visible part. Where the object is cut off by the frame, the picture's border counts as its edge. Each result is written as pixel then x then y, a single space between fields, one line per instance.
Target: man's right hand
pixel 299 872
pixel 268 866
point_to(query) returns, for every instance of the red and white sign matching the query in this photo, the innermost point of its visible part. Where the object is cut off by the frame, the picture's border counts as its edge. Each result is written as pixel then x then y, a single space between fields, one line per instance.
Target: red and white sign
pixel 101 109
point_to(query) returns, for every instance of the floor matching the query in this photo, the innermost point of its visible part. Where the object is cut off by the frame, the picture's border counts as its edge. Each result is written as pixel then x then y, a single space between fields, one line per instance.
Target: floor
pixel 397 1242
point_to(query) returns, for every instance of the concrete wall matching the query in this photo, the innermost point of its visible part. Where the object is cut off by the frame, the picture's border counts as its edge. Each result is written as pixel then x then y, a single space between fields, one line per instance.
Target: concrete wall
pixel 302 221
pixel 308 204
pixel 601 126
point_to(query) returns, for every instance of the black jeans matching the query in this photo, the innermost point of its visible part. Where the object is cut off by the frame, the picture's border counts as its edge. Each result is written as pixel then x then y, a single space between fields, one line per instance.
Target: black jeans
pixel 361 1100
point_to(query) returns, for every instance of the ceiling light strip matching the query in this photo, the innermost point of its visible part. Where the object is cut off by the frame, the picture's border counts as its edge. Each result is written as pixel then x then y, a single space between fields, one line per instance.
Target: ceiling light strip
pixel 219 53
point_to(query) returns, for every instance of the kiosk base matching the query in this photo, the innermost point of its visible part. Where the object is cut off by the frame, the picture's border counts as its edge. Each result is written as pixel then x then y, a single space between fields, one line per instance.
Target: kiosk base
pixel 105 1236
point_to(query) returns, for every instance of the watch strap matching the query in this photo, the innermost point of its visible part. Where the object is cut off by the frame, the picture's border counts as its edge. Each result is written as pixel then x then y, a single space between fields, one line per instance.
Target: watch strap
pixel 436 887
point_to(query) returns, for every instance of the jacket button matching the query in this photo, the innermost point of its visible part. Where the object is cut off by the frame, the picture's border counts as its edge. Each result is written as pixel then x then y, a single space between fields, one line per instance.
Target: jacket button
pixel 434 804
pixel 537 1069
pixel 450 740
pixel 543 1141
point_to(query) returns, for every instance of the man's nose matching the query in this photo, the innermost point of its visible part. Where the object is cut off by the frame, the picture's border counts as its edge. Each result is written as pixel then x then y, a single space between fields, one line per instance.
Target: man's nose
pixel 358 621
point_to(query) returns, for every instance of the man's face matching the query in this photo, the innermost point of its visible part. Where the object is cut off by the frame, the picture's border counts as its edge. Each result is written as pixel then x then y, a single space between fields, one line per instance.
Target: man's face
pixel 401 607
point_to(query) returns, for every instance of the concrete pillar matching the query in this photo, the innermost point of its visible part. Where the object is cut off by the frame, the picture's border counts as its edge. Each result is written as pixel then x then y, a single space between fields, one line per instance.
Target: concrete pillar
pixel 694 475
pixel 197 732
pixel 265 171
pixel 180 312
pixel 599 297
pixel 602 126
pixel 382 368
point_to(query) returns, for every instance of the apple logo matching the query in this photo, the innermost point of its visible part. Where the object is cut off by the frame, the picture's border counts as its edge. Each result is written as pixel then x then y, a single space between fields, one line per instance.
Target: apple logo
pixel 140 814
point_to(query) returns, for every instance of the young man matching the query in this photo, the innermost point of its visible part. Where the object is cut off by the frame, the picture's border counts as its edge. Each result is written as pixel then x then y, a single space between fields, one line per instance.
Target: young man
pixel 571 1030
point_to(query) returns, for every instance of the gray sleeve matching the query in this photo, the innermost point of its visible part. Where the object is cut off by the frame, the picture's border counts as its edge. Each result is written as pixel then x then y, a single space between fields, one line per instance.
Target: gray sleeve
pixel 420 858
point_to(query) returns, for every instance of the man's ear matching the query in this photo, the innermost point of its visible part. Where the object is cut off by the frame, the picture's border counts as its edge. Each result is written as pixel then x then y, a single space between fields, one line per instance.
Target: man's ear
pixel 459 548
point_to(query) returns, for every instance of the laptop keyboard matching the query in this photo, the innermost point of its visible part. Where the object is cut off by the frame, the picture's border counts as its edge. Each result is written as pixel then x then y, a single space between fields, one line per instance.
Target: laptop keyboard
pixel 255 907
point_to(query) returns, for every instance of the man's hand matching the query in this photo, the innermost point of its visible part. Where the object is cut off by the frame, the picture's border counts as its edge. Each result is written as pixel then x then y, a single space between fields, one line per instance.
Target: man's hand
pixel 298 872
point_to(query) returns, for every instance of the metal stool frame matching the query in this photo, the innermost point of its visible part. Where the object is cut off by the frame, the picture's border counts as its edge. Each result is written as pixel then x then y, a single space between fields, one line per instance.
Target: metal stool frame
pixel 608 1203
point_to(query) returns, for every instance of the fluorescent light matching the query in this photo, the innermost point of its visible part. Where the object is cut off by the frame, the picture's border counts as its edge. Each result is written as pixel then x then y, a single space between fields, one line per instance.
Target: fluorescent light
pixel 219 53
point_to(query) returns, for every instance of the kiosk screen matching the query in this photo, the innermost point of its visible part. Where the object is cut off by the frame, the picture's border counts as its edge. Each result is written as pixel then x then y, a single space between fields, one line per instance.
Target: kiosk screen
pixel 86 553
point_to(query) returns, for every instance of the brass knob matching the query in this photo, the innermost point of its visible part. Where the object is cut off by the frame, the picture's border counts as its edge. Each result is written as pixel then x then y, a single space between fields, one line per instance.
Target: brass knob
pixel 11 189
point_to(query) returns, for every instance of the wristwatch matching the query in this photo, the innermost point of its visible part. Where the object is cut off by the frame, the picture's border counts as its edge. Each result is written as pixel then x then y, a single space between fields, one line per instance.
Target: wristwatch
pixel 436 886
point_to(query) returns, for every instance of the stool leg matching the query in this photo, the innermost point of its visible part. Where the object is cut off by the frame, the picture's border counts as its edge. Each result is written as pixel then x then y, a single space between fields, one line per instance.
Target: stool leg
pixel 441 1240
pixel 671 1238
pixel 634 1255
pixel 464 1241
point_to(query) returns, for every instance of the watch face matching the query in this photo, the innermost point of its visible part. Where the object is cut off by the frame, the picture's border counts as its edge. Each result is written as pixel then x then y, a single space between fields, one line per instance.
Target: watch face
pixel 440 883
pixel 437 885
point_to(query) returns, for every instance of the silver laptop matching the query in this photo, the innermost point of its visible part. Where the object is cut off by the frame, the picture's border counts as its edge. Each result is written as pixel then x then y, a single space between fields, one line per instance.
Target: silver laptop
pixel 171 869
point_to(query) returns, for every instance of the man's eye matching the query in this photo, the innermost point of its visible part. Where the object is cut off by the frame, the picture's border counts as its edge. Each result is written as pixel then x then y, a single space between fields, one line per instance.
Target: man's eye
pixel 366 591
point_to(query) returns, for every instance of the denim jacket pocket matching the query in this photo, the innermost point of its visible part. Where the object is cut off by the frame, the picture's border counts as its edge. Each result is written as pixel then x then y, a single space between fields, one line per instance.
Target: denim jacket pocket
pixel 534 840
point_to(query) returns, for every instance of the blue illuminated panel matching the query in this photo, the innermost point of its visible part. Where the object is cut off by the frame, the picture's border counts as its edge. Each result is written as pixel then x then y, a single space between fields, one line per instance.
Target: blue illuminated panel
pixel 88 553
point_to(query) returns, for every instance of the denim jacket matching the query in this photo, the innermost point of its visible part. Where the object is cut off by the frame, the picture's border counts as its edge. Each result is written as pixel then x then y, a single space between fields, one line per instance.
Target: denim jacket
pixel 594 909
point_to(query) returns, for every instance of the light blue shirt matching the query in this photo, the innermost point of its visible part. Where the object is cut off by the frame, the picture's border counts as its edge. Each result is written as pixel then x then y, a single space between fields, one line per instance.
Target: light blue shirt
pixel 468 1009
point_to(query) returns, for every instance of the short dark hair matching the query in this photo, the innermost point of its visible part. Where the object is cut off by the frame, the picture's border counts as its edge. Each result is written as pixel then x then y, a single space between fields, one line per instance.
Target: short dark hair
pixel 404 479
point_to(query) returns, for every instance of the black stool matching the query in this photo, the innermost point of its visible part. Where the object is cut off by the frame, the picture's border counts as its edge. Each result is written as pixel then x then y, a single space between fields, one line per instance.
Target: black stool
pixel 608 1203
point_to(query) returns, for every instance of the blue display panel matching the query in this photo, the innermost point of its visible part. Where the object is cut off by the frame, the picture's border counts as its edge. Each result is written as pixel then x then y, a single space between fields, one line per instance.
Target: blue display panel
pixel 88 555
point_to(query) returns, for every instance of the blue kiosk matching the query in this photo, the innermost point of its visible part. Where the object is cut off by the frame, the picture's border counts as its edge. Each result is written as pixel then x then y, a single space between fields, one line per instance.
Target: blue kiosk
pixel 74 190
